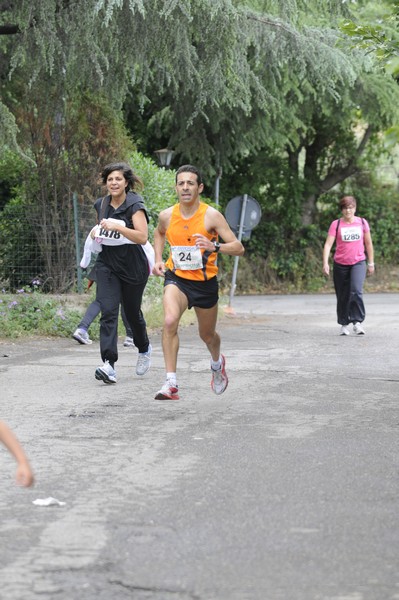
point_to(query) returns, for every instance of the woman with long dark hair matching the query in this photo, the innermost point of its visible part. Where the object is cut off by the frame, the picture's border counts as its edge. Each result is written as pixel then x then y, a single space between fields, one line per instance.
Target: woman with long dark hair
pixel 121 269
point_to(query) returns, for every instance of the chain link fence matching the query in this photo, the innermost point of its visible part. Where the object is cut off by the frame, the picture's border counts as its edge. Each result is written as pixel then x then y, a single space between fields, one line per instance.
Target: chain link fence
pixel 43 255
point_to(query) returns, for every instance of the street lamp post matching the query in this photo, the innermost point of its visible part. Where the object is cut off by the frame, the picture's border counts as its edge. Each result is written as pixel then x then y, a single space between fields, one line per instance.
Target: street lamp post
pixel 217 184
pixel 164 157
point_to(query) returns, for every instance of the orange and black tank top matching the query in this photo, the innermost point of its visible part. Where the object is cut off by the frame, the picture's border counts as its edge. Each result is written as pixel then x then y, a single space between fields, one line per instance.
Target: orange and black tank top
pixel 185 259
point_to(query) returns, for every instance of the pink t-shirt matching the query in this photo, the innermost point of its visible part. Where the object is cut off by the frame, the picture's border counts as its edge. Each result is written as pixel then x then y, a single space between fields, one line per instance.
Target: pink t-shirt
pixel 349 243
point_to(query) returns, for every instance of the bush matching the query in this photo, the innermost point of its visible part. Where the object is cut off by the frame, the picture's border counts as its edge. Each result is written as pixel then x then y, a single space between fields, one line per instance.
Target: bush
pixel 34 313
pixel 159 187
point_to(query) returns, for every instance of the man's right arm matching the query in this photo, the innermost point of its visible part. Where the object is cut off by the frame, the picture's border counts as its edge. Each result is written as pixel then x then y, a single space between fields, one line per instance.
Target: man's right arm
pixel 159 242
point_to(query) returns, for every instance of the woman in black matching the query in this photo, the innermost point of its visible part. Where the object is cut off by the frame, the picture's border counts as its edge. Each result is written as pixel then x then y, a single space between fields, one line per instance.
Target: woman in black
pixel 122 270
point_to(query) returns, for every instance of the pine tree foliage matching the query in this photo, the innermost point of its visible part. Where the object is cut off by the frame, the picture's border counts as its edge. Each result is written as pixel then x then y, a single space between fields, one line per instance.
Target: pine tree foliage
pixel 244 77
pixel 218 80
pixel 209 57
pixel 9 131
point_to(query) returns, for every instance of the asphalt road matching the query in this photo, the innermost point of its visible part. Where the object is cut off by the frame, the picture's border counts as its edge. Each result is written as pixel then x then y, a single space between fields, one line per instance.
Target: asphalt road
pixel 284 488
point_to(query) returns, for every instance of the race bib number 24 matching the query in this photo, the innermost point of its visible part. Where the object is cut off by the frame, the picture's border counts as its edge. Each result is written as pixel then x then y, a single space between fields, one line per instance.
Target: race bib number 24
pixel 186 258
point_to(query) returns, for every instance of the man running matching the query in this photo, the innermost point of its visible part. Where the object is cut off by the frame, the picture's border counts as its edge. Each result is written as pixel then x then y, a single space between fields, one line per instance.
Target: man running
pixel 192 229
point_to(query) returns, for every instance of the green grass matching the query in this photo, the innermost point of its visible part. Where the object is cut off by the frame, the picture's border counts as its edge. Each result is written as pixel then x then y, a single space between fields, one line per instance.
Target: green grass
pixel 30 313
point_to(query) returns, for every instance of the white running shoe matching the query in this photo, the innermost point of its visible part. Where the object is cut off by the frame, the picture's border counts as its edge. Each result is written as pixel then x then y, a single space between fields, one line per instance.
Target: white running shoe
pixel 143 362
pixel 168 391
pixel 220 380
pixel 344 330
pixel 358 329
pixel 106 373
pixel 128 343
pixel 81 336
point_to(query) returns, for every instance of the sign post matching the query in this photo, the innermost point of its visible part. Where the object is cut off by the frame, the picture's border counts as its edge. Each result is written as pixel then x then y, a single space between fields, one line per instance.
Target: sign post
pixel 243 213
pixel 236 258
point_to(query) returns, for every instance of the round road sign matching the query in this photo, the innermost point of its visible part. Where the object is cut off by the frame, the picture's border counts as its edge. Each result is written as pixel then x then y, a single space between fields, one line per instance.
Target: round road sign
pixel 252 215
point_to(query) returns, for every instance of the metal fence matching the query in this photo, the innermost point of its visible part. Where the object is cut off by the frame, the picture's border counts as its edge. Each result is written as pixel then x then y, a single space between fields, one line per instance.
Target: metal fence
pixel 43 255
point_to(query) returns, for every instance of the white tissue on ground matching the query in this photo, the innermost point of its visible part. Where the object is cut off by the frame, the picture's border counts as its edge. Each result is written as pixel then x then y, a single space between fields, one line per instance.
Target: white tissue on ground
pixel 48 502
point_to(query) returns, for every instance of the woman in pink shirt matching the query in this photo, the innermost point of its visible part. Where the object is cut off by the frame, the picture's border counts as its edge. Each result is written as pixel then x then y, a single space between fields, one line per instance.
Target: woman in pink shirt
pixel 353 258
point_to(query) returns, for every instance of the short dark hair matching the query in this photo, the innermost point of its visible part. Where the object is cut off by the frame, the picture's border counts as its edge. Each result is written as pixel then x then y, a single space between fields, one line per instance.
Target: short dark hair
pixel 131 179
pixel 347 201
pixel 190 169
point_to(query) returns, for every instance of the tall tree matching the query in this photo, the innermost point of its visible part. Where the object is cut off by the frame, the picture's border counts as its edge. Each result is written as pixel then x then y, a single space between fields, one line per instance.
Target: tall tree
pixel 219 80
pixel 244 74
pixel 203 73
pixel 310 97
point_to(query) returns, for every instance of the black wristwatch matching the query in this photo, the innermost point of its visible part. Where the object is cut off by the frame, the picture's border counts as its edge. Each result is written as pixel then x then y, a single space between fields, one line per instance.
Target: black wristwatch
pixel 217 247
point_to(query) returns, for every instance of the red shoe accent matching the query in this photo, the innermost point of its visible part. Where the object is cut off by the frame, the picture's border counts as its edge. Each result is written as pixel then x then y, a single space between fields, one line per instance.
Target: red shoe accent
pixel 220 381
pixel 167 392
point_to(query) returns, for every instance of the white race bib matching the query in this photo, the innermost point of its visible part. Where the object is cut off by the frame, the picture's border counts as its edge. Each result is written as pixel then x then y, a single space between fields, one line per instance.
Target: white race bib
pixel 187 258
pixel 111 238
pixel 351 234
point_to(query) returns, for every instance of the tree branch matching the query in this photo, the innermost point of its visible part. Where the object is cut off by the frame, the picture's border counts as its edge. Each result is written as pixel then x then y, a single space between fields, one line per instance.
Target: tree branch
pixel 331 179
pixel 335 177
pixel 9 29
pixel 271 23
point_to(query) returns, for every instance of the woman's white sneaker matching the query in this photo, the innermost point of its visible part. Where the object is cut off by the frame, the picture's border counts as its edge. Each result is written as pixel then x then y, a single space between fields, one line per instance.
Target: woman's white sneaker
pixel 106 373
pixel 81 336
pixel 143 362
pixel 344 330
pixel 358 329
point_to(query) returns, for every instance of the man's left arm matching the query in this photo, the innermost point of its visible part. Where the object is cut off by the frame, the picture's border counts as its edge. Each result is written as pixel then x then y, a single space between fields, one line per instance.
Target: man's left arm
pixel 215 221
pixel 230 244
pixel 370 252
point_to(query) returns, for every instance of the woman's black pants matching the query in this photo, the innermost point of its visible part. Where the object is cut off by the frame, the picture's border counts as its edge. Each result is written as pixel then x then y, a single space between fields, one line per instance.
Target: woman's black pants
pixel 93 310
pixel 111 291
pixel 348 283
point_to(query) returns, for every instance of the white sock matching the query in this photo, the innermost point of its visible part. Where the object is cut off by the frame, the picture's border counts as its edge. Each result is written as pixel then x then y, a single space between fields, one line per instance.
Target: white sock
pixel 171 377
pixel 216 365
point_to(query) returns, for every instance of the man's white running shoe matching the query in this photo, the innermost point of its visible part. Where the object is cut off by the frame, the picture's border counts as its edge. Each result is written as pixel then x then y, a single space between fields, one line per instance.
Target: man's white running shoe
pixel 128 343
pixel 81 336
pixel 169 391
pixel 144 361
pixel 220 380
pixel 106 373
pixel 344 330
pixel 358 329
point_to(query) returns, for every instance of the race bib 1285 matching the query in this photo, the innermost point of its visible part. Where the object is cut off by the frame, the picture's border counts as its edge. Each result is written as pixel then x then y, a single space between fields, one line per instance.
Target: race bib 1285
pixel 351 234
